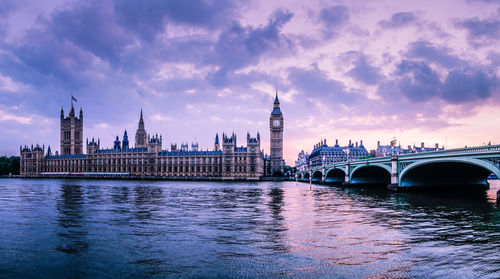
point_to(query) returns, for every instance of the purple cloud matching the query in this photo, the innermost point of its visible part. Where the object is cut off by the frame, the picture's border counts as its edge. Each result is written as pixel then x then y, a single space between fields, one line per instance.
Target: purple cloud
pixel 399 20
pixel 433 54
pixel 480 32
pixel 200 60
pixel 91 26
pixel 149 18
pixel 334 16
pixel 417 80
pixel 315 83
pixel 364 72
pixel 468 85
pixel 419 83
pixel 240 46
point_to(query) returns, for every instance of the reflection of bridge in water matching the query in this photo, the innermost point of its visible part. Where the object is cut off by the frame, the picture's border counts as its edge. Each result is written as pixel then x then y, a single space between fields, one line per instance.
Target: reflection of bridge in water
pixel 447 168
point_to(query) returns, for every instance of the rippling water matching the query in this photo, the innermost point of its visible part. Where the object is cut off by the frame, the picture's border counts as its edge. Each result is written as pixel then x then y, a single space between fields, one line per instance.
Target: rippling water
pixel 99 229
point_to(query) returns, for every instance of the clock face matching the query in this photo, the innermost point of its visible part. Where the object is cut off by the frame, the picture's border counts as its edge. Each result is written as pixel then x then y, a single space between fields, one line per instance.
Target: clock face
pixel 276 123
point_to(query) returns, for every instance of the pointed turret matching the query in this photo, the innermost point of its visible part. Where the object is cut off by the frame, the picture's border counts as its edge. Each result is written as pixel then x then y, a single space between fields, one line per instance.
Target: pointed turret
pixel 276 109
pixel 216 143
pixel 141 121
pixel 116 143
pixel 72 111
pixel 141 137
pixel 125 144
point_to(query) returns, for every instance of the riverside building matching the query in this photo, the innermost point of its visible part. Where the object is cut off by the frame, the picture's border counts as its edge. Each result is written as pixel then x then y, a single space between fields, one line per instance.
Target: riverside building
pixel 148 159
pixel 388 150
pixel 324 154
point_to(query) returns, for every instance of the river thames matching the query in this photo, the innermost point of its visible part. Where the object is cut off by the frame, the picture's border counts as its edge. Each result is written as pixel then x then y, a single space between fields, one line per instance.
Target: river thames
pixel 157 229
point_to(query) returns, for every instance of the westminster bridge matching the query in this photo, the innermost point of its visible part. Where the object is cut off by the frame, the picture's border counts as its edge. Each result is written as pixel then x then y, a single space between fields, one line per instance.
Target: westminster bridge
pixel 464 166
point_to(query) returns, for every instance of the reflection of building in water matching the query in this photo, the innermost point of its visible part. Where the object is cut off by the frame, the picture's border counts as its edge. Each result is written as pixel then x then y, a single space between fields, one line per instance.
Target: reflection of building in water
pixel 276 229
pixel 71 220
pixel 147 200
pixel 147 158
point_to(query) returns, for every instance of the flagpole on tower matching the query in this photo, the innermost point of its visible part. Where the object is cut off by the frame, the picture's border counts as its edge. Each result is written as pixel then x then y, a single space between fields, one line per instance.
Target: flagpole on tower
pixel 73 99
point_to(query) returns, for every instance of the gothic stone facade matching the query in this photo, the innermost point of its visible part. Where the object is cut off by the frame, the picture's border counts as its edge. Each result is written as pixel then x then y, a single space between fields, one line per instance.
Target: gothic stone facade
pixel 145 159
pixel 71 133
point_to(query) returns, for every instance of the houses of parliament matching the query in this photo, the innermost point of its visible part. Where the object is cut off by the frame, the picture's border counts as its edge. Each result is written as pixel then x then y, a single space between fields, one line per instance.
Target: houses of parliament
pixel 147 158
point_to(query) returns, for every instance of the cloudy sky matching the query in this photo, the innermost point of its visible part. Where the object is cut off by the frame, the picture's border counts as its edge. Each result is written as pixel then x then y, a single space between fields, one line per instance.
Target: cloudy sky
pixel 362 70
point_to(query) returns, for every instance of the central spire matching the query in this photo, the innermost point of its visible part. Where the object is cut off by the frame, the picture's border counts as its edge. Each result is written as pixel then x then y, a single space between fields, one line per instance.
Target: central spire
pixel 276 100
pixel 141 121
pixel 141 135
pixel 276 107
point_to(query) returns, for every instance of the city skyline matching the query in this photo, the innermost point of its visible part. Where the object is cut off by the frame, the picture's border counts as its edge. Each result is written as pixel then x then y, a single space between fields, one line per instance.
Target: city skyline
pixel 362 70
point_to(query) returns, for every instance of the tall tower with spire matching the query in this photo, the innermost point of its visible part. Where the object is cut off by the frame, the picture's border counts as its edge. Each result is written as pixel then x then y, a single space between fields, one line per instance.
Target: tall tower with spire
pixel 125 141
pixel 276 125
pixel 71 132
pixel 217 143
pixel 141 137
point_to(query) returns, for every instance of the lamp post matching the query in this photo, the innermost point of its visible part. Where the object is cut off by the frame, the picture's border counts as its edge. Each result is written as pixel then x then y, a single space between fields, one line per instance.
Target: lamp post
pixel 310 174
pixel 348 168
pixel 324 169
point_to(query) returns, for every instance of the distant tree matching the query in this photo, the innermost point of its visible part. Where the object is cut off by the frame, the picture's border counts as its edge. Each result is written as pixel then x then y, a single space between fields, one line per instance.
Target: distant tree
pixel 9 165
pixel 288 170
pixel 15 164
pixel 278 173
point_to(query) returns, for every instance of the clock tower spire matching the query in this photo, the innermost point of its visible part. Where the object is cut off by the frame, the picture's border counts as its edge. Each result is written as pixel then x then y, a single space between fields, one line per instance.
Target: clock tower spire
pixel 276 124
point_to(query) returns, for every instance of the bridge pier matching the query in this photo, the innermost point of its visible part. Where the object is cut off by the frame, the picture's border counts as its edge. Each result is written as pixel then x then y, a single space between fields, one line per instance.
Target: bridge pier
pixel 498 197
pixel 346 182
pixel 323 176
pixel 394 186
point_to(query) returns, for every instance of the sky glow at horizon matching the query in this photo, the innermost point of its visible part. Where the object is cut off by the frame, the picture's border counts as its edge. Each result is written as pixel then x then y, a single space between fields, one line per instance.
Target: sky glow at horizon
pixel 421 71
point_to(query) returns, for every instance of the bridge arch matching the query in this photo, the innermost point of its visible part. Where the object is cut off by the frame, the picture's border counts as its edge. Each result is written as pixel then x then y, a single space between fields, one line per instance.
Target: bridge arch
pixel 371 174
pixel 317 176
pixel 306 176
pixel 335 175
pixel 447 172
pixel 299 176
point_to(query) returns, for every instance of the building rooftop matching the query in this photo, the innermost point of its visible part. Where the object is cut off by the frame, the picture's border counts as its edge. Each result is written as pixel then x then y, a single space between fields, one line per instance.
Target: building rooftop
pixel 188 153
pixel 67 156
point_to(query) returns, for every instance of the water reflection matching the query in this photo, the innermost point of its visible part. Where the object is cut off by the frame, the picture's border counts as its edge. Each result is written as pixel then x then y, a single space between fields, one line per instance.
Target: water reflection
pixel 147 201
pixel 276 230
pixel 435 229
pixel 72 232
pixel 146 227
pixel 120 195
pixel 267 229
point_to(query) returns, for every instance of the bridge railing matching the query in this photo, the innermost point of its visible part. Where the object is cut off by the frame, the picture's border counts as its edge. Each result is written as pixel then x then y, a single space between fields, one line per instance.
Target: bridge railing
pixel 465 150
pixel 475 149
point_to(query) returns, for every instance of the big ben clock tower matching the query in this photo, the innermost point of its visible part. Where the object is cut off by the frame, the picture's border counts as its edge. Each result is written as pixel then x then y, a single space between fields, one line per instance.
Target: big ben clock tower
pixel 276 125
